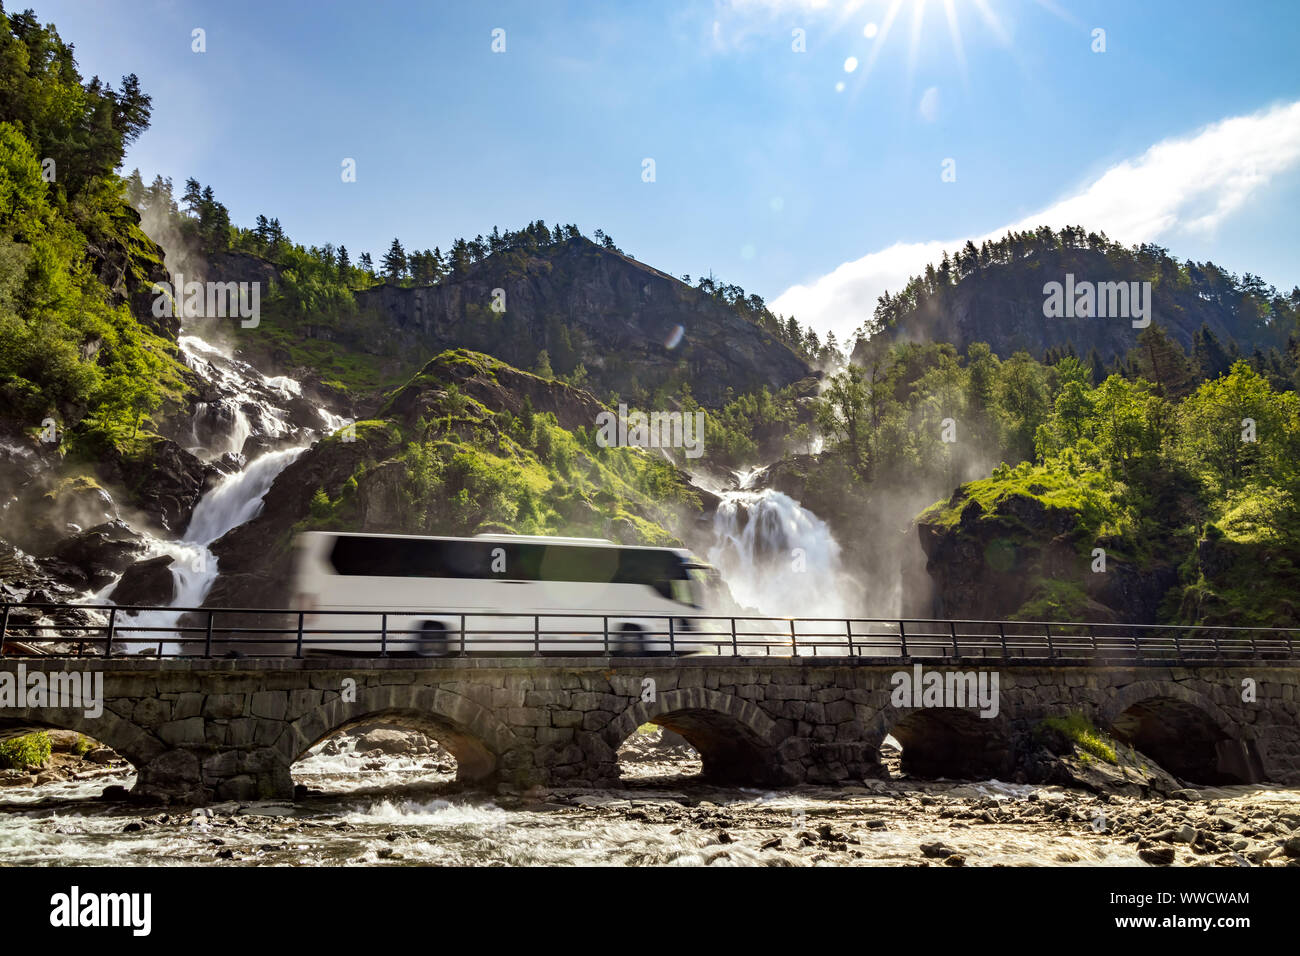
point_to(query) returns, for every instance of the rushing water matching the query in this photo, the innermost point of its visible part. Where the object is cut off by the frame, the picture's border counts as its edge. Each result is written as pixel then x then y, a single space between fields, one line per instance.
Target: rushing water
pixel 777 556
pixel 426 820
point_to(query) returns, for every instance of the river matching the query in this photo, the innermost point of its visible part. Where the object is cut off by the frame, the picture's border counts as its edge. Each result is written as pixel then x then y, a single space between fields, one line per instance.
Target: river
pixel 407 814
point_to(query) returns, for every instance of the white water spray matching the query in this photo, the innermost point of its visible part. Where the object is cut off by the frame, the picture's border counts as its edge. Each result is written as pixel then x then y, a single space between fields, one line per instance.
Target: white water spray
pixel 777 556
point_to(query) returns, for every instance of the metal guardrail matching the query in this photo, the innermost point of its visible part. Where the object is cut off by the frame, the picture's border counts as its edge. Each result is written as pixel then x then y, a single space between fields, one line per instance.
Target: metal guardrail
pixel 107 631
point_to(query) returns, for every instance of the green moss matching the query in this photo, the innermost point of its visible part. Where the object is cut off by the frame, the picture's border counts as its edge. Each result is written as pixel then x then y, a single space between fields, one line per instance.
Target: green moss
pixel 1054 600
pixel 1080 731
pixel 1088 494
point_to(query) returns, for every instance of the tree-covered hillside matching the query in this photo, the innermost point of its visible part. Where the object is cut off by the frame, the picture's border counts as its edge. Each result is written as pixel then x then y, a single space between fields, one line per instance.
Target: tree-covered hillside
pixel 73 260
pixel 994 294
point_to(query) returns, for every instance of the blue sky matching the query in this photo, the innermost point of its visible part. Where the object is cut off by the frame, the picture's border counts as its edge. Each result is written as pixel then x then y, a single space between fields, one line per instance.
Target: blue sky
pixel 766 173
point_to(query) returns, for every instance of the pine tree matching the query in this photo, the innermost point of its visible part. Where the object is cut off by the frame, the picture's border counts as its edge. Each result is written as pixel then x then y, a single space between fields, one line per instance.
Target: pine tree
pixel 543 366
pixel 193 197
pixel 394 261
pixel 135 190
pixel 1208 353
pixel 1098 367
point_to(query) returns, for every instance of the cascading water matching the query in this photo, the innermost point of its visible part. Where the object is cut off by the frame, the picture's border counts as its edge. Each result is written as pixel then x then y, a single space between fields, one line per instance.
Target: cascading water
pixel 248 403
pixel 237 497
pixel 776 556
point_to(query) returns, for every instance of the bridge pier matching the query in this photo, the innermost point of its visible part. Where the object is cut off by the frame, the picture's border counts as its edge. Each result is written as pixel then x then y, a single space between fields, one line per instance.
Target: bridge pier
pixel 203 730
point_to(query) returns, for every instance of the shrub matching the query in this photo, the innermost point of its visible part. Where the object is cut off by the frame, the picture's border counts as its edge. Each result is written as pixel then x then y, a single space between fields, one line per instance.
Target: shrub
pixel 20 753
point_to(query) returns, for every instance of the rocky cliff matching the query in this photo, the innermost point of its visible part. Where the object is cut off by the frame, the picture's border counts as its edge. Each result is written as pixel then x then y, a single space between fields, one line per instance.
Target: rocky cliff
pixel 633 328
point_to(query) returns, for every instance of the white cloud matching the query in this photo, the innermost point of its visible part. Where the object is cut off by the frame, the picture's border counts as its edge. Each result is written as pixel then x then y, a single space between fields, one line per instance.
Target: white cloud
pixel 1189 184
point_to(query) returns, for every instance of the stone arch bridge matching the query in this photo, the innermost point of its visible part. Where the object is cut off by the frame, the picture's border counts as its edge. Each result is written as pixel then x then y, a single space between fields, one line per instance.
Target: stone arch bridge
pixel 199 730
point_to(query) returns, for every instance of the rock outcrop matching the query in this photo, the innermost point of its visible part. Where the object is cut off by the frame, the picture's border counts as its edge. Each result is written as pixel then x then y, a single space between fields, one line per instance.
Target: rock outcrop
pixel 631 326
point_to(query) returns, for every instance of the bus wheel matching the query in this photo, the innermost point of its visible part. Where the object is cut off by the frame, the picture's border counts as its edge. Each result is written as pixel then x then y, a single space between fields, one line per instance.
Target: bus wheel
pixel 628 641
pixel 432 641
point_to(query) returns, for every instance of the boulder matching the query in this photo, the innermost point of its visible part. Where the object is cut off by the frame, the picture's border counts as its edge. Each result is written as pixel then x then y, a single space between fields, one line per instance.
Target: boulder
pixel 147 583
pixel 102 551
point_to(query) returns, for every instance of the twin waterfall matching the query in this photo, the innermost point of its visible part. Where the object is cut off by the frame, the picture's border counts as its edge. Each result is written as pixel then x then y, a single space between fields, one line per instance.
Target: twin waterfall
pixel 777 557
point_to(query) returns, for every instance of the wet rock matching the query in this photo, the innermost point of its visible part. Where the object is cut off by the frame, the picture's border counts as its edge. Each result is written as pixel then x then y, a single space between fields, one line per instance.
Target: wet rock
pixel 147 583
pixel 1157 855
pixel 388 741
pixel 102 551
pixel 164 480
pixel 937 850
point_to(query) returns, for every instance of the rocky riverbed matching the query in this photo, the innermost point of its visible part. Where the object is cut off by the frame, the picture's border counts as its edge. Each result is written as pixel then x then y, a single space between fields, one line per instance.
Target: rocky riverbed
pixel 384 796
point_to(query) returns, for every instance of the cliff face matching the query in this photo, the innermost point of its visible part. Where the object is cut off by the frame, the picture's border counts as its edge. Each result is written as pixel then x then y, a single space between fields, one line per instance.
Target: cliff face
pixel 1002 304
pixel 583 304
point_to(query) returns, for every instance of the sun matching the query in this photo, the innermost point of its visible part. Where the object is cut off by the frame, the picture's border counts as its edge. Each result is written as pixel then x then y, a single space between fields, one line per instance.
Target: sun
pixel 915 11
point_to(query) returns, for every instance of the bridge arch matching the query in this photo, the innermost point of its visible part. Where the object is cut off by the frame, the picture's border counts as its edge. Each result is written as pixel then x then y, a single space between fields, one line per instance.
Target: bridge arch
pixel 1183 731
pixel 136 746
pixel 734 738
pixel 469 731
pixel 952 742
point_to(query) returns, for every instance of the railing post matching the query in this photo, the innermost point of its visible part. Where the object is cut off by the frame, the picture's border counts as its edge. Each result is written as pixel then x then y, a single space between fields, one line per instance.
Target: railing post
pixel 1092 637
pixel 4 628
pixel 298 651
pixel 1002 637
pixel 902 640
pixel 207 637
pixel 1217 651
pixel 537 635
pixel 1051 650
pixel 734 651
pixel 672 637
pixel 794 640
pixel 604 627
pixel 383 634
pixel 1178 646
pixel 956 650
pixel 1137 646
pixel 462 635
pixel 112 627
pixel 848 625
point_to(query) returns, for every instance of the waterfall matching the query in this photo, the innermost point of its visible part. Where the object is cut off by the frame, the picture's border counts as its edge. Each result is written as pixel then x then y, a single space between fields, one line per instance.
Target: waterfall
pixel 777 556
pixel 238 497
pixel 226 423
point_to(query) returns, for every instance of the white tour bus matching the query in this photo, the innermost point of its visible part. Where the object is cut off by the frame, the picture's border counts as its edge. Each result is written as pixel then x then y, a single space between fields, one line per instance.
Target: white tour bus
pixel 426 584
